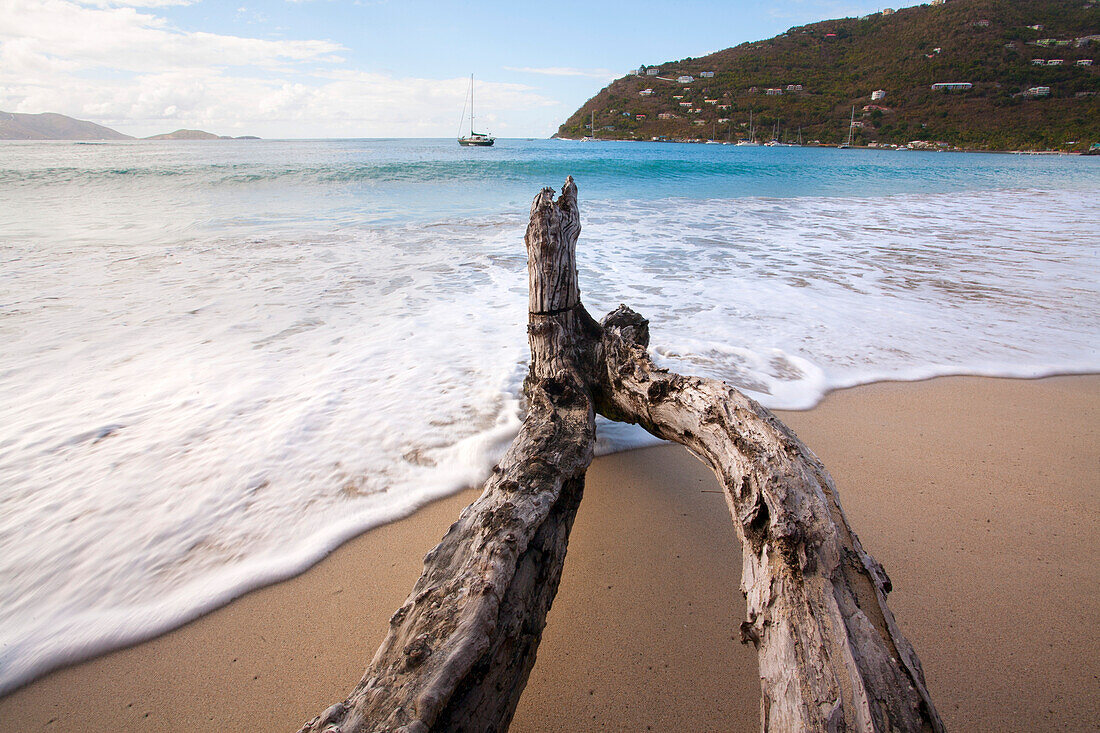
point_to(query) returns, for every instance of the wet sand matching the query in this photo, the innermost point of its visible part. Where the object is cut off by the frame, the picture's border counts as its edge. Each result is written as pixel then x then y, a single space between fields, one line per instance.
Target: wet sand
pixel 979 496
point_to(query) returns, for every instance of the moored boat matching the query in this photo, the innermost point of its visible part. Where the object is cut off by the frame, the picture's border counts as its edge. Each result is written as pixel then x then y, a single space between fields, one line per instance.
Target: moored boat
pixel 752 135
pixel 851 128
pixel 474 139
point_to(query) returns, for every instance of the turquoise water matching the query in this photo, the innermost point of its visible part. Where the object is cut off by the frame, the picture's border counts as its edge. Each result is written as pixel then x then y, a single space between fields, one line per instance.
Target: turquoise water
pixel 222 359
pixel 389 181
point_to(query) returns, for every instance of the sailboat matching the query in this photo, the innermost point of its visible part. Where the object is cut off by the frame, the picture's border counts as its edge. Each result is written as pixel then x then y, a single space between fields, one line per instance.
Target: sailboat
pixel 851 129
pixel 592 126
pixel 752 134
pixel 474 139
pixel 774 142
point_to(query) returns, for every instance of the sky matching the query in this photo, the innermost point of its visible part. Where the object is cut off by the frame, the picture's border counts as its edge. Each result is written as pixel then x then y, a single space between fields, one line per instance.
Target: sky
pixel 356 68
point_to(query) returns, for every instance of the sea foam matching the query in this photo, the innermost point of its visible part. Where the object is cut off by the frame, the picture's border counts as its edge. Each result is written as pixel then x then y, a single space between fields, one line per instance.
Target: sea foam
pixel 204 389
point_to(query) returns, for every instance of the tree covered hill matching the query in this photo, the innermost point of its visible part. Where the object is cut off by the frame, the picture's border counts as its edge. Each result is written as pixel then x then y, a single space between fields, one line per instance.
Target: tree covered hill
pixel 824 69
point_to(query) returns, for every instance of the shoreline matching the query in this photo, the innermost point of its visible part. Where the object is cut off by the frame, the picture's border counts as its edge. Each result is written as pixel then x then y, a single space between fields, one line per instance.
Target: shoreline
pixel 885 146
pixel 186 674
pixel 267 573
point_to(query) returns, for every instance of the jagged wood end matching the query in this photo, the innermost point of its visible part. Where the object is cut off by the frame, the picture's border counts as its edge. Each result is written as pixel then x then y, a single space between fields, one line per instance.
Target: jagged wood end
pixel 458 652
pixel 831 655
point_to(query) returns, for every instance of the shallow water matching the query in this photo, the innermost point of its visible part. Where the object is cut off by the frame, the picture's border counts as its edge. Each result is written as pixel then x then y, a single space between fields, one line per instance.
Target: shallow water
pixel 222 359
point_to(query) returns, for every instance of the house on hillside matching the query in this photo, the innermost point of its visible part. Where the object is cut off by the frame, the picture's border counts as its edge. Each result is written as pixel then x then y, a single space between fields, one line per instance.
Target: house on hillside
pixel 878 94
pixel 983 23
pixel 775 92
pixel 1055 62
pixel 667 116
pixel 645 92
pixel 794 87
pixel 1084 62
pixel 685 79
pixel 1037 92
pixel 1036 27
pixel 651 71
pixel 1038 62
pixel 952 86
pixel 707 74
pixel 887 11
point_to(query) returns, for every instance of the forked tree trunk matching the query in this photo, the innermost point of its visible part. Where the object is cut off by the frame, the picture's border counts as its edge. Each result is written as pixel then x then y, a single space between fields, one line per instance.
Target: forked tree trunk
pixel 459 650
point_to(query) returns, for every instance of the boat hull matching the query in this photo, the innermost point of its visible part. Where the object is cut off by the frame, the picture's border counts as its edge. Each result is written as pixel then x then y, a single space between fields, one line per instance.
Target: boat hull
pixel 476 142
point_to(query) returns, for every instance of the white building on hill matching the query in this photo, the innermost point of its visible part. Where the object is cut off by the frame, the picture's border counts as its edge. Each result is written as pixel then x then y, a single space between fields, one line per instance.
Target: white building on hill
pixel 952 86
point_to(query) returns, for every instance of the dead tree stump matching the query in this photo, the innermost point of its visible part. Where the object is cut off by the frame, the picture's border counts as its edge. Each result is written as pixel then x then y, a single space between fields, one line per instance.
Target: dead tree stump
pixel 459 651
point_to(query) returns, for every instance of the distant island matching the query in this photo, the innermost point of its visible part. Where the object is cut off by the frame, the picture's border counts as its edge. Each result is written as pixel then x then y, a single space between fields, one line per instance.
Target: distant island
pixel 196 135
pixel 52 126
pixel 974 74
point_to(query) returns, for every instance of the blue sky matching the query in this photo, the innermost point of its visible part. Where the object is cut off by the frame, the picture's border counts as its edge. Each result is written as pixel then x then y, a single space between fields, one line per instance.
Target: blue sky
pixel 355 68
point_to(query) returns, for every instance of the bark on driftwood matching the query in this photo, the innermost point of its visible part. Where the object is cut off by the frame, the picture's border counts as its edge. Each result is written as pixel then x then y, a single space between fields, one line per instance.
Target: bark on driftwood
pixel 459 650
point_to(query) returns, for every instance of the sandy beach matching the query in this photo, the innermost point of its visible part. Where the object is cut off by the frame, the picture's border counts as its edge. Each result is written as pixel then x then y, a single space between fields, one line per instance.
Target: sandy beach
pixel 978 495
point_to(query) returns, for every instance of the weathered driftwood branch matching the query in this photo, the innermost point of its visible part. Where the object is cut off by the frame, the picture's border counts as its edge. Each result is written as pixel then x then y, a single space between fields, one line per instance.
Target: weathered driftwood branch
pixel 459 650
pixel 831 655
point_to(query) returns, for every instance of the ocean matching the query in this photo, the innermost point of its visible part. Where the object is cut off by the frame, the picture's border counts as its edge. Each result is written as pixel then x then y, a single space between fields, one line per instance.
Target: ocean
pixel 219 360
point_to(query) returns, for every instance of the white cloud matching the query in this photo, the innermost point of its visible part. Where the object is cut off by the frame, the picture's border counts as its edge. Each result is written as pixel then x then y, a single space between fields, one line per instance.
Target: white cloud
pixel 129 69
pixel 566 71
pixel 135 3
pixel 124 39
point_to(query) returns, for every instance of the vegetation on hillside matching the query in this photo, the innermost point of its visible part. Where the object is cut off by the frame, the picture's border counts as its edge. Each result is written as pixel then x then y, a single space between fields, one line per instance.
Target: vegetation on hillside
pixel 991 44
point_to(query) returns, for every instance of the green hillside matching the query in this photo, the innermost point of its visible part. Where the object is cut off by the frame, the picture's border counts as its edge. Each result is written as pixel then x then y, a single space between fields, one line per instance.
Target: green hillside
pixel 990 44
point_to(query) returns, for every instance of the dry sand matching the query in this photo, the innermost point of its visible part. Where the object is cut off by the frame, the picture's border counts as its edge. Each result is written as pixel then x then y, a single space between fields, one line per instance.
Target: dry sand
pixel 980 497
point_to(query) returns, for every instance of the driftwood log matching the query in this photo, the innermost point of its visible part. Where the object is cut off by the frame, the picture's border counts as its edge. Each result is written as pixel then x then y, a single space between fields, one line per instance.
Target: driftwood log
pixel 459 651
